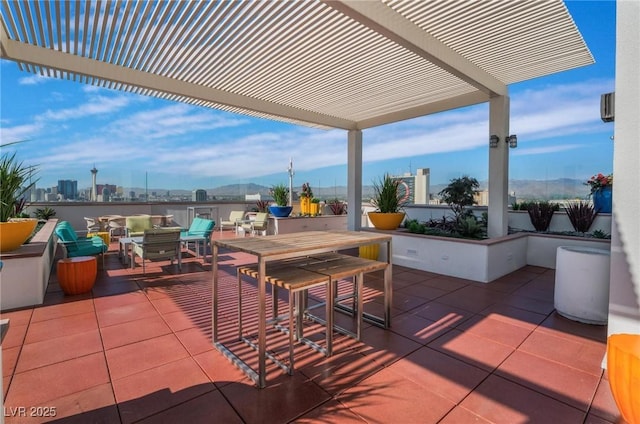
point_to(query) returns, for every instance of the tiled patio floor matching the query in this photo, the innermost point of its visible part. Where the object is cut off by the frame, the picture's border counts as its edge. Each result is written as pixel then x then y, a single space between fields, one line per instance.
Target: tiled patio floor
pixel 138 348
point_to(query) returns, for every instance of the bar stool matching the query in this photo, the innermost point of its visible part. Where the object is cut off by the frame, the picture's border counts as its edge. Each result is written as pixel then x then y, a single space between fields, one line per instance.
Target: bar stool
pixel 286 275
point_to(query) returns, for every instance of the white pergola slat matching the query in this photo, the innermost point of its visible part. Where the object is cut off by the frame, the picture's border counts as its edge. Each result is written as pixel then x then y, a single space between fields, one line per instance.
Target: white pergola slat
pixel 328 64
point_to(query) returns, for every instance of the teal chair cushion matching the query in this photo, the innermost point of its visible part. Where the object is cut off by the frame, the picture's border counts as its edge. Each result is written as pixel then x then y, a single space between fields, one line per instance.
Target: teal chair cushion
pixel 78 247
pixel 200 227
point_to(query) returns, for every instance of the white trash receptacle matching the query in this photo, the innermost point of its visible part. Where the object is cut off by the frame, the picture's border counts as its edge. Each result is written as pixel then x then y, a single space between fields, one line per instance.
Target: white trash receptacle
pixel 582 284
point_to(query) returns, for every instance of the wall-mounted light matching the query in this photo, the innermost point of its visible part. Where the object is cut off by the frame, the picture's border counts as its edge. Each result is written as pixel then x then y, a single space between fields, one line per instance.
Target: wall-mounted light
pixel 512 140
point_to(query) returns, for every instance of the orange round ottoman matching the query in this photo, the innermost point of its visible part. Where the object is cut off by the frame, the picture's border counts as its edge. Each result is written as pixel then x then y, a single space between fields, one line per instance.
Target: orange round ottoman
pixel 77 275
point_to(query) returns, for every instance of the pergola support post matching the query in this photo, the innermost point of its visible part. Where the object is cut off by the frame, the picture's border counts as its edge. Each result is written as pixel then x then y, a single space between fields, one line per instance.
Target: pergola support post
pixel 354 180
pixel 498 218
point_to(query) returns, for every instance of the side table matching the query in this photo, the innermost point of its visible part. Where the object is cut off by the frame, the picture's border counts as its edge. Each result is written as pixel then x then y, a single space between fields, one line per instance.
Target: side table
pixel 77 275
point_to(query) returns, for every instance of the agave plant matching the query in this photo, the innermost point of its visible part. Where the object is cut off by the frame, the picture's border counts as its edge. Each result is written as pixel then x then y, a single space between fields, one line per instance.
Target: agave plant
pixel 581 214
pixel 13 176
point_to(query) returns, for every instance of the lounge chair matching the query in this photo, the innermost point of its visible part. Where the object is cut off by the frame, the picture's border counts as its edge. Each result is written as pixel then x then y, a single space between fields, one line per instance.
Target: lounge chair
pixel 234 221
pixel 157 244
pixel 74 246
pixel 259 224
pixel 200 227
pixel 136 225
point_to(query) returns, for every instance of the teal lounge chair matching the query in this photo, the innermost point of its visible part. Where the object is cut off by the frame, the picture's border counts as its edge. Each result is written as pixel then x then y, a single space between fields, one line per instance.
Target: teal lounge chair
pixel 73 246
pixel 200 227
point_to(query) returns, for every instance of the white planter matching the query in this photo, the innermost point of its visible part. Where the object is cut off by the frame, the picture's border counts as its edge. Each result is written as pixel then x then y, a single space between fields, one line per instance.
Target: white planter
pixel 582 284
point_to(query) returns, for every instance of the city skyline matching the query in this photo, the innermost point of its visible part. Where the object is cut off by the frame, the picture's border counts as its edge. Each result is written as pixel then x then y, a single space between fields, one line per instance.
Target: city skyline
pixel 130 138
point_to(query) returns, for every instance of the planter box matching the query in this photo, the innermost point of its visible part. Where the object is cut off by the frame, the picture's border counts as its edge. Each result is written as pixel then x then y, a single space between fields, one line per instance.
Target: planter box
pixel 481 260
pixel 25 273
pixel 307 223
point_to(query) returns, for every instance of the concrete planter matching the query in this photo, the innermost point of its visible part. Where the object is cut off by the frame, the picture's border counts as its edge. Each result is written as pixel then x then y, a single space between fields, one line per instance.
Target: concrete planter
pixel 482 260
pixel 26 270
pixel 582 284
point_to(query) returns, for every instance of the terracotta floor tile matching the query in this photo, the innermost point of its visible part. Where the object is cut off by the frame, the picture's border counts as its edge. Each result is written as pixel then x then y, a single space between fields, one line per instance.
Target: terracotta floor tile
pixel 133 331
pixel 583 355
pixel 15 336
pixel 331 412
pixel 219 369
pixel 181 320
pixel 49 312
pixel 477 351
pixel 471 298
pixel 22 317
pixel 119 300
pixel 543 307
pixel 442 314
pixel 154 390
pixel 388 398
pixel 136 357
pixel 417 328
pixel 126 313
pixel 565 328
pixel 195 340
pixel 339 372
pixel 51 351
pixel 496 330
pixel 64 326
pixel 57 380
pixel 439 373
pixel 385 347
pixel 460 415
pixel 514 316
pixel 421 290
pixel 448 284
pixel 211 406
pixel 9 360
pixel 285 398
pixel 93 405
pixel 501 401
pixel 568 385
pixel 604 405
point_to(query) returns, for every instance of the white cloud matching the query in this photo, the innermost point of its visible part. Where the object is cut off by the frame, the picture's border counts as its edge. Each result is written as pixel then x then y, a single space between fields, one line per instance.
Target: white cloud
pixel 99 105
pixel 546 150
pixel 33 80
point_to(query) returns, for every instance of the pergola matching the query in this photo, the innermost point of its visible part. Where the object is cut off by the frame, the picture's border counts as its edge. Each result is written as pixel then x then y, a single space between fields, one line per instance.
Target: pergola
pixel 350 65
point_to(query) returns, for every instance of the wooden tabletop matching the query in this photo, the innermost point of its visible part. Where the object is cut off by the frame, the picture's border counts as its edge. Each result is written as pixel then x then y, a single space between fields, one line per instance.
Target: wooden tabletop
pixel 285 244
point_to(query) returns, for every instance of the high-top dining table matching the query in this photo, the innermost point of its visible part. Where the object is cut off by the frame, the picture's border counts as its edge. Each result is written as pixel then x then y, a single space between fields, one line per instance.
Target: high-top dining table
pixel 286 246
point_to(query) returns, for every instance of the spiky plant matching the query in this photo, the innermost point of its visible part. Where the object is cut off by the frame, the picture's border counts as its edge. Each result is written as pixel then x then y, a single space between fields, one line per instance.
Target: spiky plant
pixel 581 214
pixel 386 196
pixel 13 176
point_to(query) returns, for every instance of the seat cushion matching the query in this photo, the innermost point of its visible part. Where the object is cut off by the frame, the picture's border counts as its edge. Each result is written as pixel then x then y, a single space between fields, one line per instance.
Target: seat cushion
pixel 137 224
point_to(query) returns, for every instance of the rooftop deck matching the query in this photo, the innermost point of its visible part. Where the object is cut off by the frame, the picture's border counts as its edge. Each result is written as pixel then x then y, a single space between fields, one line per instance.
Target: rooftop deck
pixel 138 348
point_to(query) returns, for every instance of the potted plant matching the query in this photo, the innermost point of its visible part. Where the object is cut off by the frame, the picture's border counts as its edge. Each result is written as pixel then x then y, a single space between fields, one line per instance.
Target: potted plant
pixel 13 175
pixel 388 201
pixel 337 207
pixel 305 199
pixel 314 206
pixel 280 193
pixel 601 190
pixel 262 205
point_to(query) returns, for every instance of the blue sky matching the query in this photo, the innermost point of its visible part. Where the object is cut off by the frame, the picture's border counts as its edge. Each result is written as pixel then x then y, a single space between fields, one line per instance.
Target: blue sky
pixel 72 126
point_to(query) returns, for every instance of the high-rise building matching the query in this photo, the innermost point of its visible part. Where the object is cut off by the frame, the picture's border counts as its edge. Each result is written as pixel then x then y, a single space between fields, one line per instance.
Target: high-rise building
pixel 199 195
pixel 415 188
pixel 68 189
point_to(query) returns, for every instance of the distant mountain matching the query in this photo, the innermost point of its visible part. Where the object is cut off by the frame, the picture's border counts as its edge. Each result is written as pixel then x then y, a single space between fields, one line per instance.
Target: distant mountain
pixel 562 188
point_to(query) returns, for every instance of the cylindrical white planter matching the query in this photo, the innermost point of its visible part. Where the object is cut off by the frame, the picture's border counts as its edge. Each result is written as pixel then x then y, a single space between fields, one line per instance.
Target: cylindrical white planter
pixel 582 284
